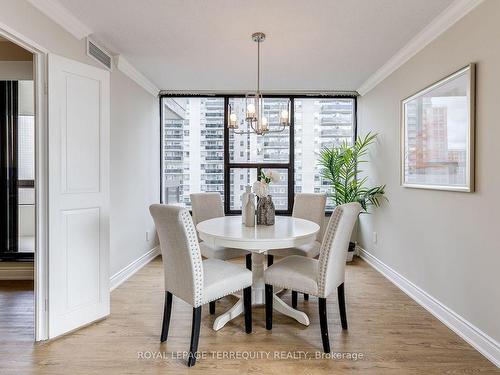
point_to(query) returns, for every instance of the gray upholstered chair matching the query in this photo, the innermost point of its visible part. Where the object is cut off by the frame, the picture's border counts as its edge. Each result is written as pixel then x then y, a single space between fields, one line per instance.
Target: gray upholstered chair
pixel 189 278
pixel 308 206
pixel 318 277
pixel 207 206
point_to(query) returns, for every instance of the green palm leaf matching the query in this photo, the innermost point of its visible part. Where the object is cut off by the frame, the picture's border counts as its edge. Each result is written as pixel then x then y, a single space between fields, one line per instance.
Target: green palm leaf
pixel 340 166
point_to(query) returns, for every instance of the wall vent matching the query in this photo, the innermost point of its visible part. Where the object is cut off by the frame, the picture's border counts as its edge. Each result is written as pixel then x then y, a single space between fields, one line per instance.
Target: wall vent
pixel 99 54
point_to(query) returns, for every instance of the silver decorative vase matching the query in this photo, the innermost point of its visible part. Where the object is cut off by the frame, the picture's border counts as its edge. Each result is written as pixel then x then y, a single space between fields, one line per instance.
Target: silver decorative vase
pixel 265 211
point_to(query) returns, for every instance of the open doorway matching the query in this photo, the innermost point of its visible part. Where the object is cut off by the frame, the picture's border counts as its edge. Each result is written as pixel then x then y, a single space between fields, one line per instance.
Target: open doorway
pixel 76 227
pixel 17 190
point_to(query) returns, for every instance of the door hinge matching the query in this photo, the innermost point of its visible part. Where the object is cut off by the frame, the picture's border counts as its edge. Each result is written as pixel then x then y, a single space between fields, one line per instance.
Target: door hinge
pixel 46 304
pixel 45 88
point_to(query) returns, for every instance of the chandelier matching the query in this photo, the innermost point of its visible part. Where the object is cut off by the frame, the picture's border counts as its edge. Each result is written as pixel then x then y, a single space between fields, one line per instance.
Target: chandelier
pixel 255 115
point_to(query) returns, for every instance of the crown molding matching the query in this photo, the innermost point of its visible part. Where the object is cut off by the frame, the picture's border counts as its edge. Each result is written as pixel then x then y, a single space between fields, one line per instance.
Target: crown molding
pixel 60 15
pixel 453 13
pixel 64 18
pixel 126 68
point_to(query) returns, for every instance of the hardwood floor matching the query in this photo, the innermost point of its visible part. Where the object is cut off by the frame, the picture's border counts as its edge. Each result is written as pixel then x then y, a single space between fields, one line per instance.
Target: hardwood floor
pixel 393 333
pixel 17 317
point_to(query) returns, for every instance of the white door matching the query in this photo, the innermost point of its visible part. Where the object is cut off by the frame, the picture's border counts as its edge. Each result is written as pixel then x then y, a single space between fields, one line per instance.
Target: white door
pixel 78 142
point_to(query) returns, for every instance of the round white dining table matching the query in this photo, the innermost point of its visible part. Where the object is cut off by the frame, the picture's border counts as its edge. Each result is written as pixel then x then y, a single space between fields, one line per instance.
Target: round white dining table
pixel 228 231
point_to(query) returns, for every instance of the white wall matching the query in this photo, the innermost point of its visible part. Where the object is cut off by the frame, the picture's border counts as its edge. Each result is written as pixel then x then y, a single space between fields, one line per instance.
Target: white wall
pixel 134 135
pixel 444 242
pixel 135 169
pixel 16 70
pixel 15 62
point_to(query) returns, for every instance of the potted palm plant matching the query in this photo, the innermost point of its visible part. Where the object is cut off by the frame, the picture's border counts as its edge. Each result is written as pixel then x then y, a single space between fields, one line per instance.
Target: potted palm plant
pixel 341 167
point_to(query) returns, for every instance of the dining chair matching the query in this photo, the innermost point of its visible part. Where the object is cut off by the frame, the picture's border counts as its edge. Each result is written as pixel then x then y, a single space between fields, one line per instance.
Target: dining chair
pixel 207 206
pixel 308 206
pixel 318 277
pixel 190 278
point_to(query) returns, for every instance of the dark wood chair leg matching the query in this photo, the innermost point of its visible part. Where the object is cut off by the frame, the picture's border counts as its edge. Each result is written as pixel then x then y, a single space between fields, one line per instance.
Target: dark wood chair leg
pixel 167 310
pixel 306 297
pixel 294 299
pixel 269 307
pixel 323 322
pixel 212 307
pixel 247 302
pixel 270 260
pixel 341 297
pixel 195 335
pixel 248 261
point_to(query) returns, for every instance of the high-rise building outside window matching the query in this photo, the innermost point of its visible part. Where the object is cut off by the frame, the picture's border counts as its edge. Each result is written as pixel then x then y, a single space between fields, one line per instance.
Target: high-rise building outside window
pixel 319 123
pixel 193 148
pixel 194 157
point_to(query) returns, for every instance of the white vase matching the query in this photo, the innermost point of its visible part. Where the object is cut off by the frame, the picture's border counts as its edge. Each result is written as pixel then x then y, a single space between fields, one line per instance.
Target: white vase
pixel 244 200
pixel 250 211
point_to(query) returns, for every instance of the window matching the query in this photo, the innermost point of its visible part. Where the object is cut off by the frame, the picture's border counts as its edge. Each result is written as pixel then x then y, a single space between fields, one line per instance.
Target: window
pixel 199 154
pixel 319 123
pixel 248 154
pixel 17 164
pixel 253 148
pixel 193 147
pixel 239 178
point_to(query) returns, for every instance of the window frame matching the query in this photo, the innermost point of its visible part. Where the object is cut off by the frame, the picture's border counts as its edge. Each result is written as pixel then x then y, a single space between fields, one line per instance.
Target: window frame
pixel 10 142
pixel 228 165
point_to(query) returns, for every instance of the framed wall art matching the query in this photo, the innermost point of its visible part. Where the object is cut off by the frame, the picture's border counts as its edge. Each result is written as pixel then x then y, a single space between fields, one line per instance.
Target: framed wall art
pixel 437 137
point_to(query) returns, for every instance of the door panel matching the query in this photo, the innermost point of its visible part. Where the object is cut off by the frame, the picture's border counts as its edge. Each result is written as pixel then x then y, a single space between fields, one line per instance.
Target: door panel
pixel 80 134
pixel 78 97
pixel 81 234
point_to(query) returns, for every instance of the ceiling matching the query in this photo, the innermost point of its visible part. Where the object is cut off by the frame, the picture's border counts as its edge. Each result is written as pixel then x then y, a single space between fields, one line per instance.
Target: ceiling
pixel 206 45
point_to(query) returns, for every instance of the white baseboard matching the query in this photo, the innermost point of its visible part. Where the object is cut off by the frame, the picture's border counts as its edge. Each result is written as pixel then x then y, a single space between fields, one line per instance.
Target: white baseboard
pixel 123 275
pixel 16 271
pixel 486 345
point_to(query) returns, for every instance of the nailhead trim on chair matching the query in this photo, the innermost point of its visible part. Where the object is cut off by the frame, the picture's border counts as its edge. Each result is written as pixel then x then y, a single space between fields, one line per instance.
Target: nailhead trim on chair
pixel 227 294
pixel 326 247
pixel 194 248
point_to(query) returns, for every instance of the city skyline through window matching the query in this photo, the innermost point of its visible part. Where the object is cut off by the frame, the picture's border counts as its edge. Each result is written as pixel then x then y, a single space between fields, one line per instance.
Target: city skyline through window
pixel 319 123
pixel 193 147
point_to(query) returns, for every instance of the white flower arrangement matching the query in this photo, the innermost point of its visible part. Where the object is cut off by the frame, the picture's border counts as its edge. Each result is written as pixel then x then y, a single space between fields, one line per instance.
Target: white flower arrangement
pixel 269 176
pixel 261 187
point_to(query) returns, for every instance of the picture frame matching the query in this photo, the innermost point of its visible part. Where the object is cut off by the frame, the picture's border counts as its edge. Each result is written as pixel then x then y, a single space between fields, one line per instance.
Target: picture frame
pixel 437 134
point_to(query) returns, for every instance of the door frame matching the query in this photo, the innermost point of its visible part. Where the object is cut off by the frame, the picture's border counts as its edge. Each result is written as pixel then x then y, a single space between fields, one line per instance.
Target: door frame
pixel 41 177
